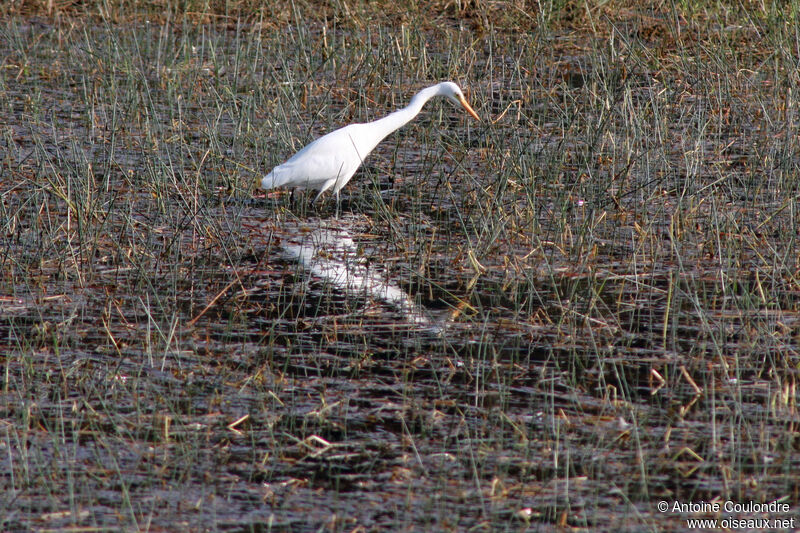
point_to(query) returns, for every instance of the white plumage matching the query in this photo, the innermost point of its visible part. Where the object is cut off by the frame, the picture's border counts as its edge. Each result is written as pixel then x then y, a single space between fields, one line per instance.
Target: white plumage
pixel 330 161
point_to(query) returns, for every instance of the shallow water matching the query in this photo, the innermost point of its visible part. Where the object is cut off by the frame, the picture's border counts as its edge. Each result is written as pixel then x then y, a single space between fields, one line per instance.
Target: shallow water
pixel 554 320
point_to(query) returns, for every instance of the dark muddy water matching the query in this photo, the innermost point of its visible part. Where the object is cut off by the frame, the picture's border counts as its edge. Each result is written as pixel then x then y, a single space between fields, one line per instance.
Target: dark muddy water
pixel 583 306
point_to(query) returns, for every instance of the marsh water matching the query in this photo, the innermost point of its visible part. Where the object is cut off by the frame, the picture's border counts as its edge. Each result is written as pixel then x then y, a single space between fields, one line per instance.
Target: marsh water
pixel 555 318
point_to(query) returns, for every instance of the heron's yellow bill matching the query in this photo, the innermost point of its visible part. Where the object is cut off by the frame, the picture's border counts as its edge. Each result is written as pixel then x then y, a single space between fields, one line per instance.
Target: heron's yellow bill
pixel 468 107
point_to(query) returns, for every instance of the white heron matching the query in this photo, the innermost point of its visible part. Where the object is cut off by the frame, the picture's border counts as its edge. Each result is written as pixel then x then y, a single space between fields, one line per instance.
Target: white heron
pixel 330 161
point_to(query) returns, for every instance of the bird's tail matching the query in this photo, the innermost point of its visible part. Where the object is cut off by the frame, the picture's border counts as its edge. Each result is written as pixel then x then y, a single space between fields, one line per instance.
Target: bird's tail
pixel 271 181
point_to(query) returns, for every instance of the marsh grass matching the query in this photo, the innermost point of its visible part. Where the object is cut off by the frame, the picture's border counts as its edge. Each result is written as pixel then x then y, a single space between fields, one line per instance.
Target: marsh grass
pixel 613 250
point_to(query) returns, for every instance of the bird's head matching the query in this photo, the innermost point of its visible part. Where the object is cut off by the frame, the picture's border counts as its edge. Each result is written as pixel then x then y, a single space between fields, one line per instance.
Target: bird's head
pixel 454 94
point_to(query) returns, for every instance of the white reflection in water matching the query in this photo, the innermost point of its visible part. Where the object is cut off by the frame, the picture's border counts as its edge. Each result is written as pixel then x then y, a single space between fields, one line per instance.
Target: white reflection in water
pixel 333 256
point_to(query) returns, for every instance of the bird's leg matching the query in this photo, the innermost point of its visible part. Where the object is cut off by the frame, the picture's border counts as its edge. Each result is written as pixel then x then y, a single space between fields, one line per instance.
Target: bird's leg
pixel 296 200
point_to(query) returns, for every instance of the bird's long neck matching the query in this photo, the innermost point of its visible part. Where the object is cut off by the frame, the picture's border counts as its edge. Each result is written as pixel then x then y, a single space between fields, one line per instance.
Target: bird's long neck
pixel 383 127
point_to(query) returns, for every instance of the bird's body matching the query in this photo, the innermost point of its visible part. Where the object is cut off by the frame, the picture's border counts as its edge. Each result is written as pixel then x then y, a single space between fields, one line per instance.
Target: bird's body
pixel 330 161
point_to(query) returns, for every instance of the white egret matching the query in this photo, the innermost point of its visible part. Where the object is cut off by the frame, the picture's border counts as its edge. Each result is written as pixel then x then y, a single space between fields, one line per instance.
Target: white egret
pixel 330 161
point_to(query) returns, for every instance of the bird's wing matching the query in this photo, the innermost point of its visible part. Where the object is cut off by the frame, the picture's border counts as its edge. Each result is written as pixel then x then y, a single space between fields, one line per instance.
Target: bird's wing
pixel 329 158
